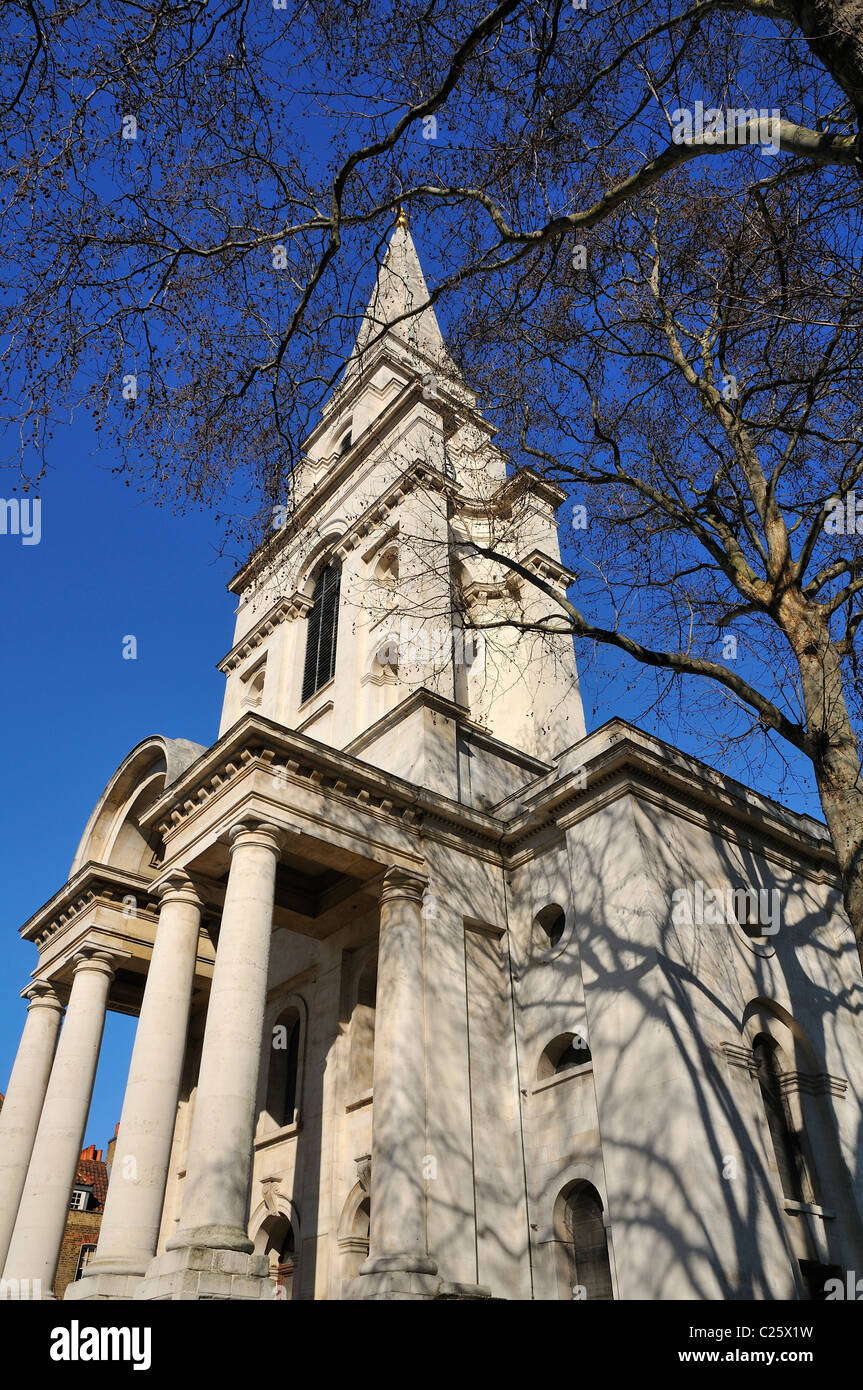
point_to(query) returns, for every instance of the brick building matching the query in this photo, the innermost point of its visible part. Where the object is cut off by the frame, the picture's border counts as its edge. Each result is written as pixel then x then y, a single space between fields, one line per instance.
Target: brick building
pixel 86 1205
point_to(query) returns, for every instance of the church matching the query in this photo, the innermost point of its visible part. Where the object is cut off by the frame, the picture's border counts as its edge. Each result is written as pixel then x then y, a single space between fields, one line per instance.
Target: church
pixel 438 995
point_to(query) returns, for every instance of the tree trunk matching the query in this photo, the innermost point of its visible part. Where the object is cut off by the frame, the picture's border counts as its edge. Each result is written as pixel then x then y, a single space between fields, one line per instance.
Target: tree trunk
pixel 835 757
pixel 834 31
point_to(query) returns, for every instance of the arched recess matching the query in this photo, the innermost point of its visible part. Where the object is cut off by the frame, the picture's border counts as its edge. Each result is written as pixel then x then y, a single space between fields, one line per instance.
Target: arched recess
pixel 581 1242
pixel 316 557
pixel 801 1139
pixel 276 1234
pixel 354 1231
pixel 285 1032
pixel 381 676
pixel 114 835
pixel 253 688
pixel 563 1053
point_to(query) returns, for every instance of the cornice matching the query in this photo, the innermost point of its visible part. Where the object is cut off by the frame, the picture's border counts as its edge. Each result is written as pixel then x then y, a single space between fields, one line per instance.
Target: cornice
pixel 298 605
pixel 684 786
pixel 256 740
pixel 409 363
pixel 375 433
pixel 526 480
pixel 546 567
pixel 417 474
pixel 618 760
pixel 419 699
pixel 92 883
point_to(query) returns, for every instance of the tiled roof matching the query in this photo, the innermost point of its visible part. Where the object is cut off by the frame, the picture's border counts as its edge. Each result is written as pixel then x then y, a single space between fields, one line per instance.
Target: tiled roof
pixel 93 1175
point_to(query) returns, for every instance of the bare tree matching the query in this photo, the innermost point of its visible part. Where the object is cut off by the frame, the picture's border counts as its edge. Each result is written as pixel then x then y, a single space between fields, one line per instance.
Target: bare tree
pixel 649 220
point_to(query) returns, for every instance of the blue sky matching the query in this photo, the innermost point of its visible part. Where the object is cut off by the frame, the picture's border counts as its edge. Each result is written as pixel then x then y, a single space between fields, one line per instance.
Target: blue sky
pixel 109 564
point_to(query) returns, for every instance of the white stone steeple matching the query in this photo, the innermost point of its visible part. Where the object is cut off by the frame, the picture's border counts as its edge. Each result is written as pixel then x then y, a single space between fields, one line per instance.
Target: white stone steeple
pixel 399 480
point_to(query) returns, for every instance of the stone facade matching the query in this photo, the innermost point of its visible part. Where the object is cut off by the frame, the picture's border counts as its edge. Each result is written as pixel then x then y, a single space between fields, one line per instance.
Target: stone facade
pixel 439 996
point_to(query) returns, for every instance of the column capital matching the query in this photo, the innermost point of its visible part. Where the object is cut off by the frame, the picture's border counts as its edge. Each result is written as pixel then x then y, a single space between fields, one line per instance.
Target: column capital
pixel 41 994
pixel 98 959
pixel 178 886
pixel 400 883
pixel 253 831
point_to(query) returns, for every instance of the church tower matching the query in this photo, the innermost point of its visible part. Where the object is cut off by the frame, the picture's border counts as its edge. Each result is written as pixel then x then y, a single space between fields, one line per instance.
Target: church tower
pixel 369 620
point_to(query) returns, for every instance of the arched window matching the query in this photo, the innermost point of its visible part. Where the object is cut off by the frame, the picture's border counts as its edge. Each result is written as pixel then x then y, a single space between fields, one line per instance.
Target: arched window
pixel 283 1078
pixel 354 1232
pixel 786 1143
pixel 322 632
pixel 564 1052
pixel 584 1270
pixel 277 1241
pixel 283 1264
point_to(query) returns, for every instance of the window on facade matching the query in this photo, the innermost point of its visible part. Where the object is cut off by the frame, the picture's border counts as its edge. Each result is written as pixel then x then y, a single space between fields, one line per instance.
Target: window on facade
pixel 549 925
pixel 585 1271
pixel 786 1143
pixel 80 1199
pixel 85 1255
pixel 564 1052
pixel 277 1240
pixel 283 1078
pixel 322 632
pixel 745 903
pixel 345 443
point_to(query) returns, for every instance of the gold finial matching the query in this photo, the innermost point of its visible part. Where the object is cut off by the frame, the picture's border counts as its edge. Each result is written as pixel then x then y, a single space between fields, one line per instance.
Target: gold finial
pixel 402 219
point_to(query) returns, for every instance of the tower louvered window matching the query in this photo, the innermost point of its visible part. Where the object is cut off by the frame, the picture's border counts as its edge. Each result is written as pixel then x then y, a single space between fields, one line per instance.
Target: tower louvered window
pixel 323 624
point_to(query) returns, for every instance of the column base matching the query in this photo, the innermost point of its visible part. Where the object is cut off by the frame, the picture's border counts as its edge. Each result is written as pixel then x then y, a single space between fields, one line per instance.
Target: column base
pixel 200 1272
pixel 403 1263
pixel 213 1238
pixel 103 1288
pixel 409 1286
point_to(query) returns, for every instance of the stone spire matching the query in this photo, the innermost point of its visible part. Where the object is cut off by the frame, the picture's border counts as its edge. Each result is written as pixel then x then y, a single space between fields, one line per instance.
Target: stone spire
pixel 399 289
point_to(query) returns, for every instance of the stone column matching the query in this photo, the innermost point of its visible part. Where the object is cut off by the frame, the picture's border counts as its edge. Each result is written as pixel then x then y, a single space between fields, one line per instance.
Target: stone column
pixel 398 1216
pixel 136 1193
pixel 218 1171
pixel 35 1246
pixel 19 1119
